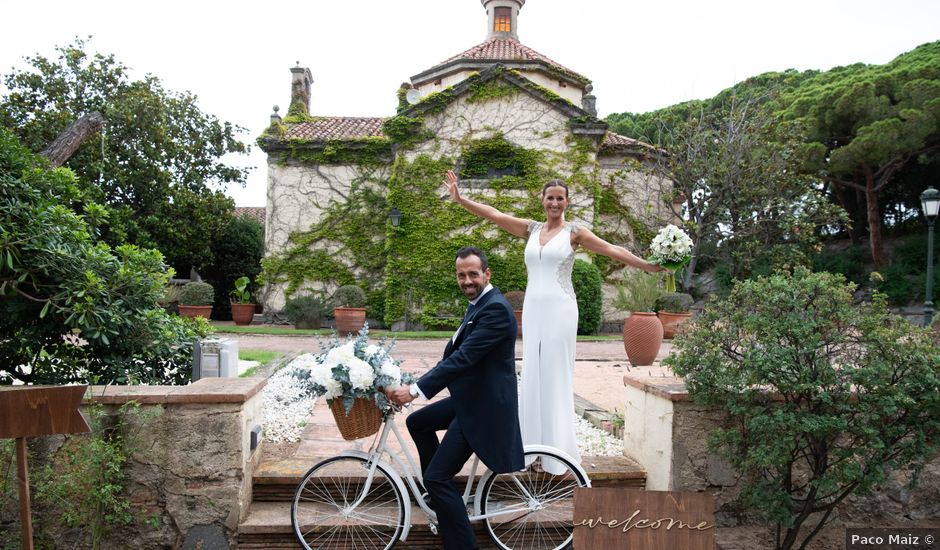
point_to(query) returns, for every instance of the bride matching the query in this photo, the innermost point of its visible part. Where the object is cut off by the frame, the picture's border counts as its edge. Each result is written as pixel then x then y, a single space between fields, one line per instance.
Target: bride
pixel 549 313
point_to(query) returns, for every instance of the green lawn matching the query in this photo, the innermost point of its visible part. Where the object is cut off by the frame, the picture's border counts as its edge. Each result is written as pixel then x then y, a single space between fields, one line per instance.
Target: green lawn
pixel 262 356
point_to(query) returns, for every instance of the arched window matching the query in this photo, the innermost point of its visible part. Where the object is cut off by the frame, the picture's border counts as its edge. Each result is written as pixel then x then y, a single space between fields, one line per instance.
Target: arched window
pixel 502 20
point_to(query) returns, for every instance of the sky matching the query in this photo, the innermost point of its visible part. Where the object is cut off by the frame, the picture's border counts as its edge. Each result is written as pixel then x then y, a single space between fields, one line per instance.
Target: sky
pixel 641 56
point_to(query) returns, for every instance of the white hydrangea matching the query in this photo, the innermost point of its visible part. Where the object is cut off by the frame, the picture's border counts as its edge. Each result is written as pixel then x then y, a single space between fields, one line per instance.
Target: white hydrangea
pixel 371 350
pixel 334 388
pixel 340 355
pixel 361 375
pixel 390 369
pixel 322 374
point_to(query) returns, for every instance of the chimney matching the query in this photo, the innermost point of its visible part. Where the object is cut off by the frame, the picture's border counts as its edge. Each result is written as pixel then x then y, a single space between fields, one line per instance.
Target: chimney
pixel 301 79
pixel 502 18
pixel 589 101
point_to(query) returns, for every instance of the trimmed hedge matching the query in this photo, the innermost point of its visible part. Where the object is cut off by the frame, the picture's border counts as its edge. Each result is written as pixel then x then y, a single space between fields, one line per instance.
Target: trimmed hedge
pixel 586 279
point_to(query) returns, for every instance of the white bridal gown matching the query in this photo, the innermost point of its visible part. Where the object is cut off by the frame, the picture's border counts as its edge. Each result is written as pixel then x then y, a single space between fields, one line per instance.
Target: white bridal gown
pixel 550 323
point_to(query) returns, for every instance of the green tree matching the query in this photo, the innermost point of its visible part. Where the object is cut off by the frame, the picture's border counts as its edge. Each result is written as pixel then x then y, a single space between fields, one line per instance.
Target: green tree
pixel 156 162
pixel 236 252
pixel 823 398
pixel 867 125
pixel 72 309
pixel 734 173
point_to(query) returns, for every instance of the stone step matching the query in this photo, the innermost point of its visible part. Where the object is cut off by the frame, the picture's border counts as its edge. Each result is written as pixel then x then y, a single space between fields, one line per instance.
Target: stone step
pixel 276 481
pixel 268 526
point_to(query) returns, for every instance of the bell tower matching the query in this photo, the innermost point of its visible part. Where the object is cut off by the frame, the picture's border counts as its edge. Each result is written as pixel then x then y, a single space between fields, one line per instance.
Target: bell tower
pixel 502 18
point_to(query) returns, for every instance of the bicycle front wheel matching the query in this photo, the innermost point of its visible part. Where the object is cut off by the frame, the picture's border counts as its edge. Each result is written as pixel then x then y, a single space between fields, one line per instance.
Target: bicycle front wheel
pixel 532 509
pixel 336 507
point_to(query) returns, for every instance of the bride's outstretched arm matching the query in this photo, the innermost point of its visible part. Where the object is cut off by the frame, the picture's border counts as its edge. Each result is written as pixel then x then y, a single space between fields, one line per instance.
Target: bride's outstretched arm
pixel 512 224
pixel 587 239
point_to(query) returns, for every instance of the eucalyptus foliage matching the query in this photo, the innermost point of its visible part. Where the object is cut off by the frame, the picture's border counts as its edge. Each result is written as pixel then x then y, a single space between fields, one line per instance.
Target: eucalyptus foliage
pixel 824 398
pixel 72 309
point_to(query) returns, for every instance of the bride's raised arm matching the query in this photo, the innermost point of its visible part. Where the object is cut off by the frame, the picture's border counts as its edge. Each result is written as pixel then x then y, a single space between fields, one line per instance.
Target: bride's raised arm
pixel 512 224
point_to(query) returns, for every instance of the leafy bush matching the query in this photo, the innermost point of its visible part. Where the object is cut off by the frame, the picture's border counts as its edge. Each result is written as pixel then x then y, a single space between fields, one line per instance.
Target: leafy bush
pixel 58 279
pixel 586 280
pixel 638 292
pixel 236 252
pixel 897 285
pixel 674 302
pixel 823 398
pixel 84 485
pixel 850 263
pixel 306 308
pixel 196 293
pixel 349 296
pixel 515 298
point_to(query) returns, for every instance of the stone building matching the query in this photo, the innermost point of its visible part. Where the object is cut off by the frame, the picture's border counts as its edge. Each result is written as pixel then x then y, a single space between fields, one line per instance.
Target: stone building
pixel 361 200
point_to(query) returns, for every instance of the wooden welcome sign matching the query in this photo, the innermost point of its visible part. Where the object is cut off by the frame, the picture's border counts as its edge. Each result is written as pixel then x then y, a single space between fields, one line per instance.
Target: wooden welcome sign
pixel 31 412
pixel 643 520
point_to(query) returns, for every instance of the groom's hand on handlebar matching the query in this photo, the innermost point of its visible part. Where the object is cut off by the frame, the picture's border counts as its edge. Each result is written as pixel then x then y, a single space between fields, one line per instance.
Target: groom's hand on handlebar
pixel 400 396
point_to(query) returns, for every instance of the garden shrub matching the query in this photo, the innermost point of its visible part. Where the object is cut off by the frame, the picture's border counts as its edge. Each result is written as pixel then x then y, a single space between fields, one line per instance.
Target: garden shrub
pixel 236 252
pixel 897 285
pixel 823 398
pixel 348 296
pixel 587 281
pixel 850 263
pixel 305 308
pixel 196 293
pixel 638 292
pixel 57 278
pixel 78 488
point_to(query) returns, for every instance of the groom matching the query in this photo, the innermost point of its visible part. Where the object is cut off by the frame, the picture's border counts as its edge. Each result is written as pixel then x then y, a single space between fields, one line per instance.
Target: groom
pixel 482 413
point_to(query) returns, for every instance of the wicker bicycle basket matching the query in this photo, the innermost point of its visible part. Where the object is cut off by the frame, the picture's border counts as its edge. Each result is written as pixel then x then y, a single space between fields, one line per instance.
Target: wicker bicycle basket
pixel 363 419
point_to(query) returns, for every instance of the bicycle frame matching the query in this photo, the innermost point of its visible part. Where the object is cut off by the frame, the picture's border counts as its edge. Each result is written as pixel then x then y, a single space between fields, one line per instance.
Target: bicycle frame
pixel 404 473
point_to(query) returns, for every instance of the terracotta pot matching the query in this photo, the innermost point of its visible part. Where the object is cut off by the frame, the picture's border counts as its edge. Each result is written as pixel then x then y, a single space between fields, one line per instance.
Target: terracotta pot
pixel 242 314
pixel 518 313
pixel 642 336
pixel 672 322
pixel 195 311
pixel 349 319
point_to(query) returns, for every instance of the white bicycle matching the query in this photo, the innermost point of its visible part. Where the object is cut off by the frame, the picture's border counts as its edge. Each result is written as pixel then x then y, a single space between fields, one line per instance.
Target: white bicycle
pixel 360 500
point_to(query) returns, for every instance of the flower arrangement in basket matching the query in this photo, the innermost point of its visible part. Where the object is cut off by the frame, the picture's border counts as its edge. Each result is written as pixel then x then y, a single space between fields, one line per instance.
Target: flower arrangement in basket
pixel 351 376
pixel 672 249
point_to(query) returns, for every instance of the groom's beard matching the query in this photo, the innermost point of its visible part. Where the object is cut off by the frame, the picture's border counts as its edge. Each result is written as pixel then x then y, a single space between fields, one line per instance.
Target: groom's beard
pixel 471 291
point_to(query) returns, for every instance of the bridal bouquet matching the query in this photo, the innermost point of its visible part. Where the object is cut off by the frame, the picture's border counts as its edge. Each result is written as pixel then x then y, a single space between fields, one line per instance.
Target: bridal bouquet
pixel 672 249
pixel 345 371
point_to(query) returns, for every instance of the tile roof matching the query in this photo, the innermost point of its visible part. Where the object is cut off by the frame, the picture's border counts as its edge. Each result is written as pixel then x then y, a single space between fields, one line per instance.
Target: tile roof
pixel 503 49
pixel 252 212
pixel 617 141
pixel 342 127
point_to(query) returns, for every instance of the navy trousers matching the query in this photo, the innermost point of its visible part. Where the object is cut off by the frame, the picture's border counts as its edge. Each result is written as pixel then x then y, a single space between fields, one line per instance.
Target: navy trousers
pixel 440 462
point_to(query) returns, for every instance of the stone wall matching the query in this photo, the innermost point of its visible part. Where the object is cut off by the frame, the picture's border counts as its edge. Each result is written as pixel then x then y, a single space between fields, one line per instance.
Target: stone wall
pixel 297 196
pixel 191 476
pixel 668 435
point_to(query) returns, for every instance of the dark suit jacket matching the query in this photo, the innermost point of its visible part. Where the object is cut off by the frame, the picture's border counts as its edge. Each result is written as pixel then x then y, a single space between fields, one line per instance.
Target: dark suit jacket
pixel 479 370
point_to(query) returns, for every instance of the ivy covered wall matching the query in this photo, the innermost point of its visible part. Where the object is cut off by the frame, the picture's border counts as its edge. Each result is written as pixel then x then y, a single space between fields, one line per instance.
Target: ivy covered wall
pixel 505 140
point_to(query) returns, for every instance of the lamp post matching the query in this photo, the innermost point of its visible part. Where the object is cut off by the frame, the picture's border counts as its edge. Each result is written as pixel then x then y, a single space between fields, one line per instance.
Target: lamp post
pixel 929 204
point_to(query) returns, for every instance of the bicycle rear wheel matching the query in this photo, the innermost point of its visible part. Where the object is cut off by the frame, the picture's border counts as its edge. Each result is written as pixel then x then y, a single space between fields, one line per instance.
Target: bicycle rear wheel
pixel 538 506
pixel 322 511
